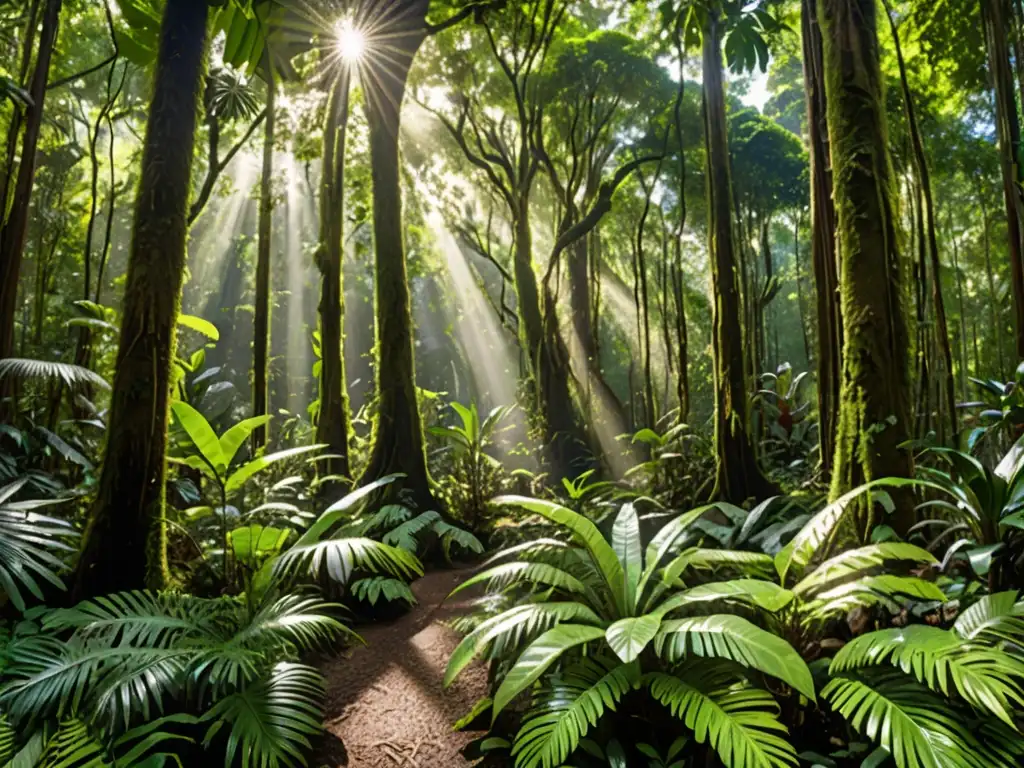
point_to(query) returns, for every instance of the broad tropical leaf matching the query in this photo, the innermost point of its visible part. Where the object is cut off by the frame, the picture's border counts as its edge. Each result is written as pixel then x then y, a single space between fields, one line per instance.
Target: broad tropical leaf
pixel 628 637
pixel 538 656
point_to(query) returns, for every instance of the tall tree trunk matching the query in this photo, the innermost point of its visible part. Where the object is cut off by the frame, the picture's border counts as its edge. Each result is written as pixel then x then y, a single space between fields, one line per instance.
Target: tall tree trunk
pixel 261 316
pixel 398 444
pixel 28 45
pixel 997 25
pixel 874 402
pixel 801 312
pixel 15 226
pixel 924 176
pixel 737 476
pixel 823 238
pixel 682 336
pixel 333 419
pixel 125 541
pixel 993 297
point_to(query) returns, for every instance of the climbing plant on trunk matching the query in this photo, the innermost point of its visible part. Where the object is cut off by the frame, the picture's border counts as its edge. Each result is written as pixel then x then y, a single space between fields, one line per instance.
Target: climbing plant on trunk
pixel 125 541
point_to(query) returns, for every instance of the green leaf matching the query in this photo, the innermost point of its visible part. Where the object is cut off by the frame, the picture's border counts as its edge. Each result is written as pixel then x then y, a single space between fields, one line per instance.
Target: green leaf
pixel 510 626
pixel 201 434
pixel 538 656
pixel 627 546
pixel 233 438
pixel 247 470
pixel 199 325
pixel 817 531
pixel 855 561
pixel 628 637
pixel 571 705
pixel 585 532
pixel 754 592
pixel 739 723
pixel 736 639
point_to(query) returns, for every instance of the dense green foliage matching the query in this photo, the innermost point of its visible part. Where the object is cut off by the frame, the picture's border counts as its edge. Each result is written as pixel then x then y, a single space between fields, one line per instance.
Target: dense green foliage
pixel 697 321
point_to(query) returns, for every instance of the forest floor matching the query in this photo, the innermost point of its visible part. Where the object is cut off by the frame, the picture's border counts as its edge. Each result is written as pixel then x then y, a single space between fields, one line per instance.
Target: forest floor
pixel 386 706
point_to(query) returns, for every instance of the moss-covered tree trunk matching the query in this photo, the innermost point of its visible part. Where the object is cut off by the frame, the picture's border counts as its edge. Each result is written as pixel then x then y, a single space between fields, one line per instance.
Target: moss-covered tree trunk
pixel 738 476
pixel 398 444
pixel 332 424
pixel 124 546
pixel 823 234
pixel 874 411
pixel 15 225
pixel 997 33
pixel 264 234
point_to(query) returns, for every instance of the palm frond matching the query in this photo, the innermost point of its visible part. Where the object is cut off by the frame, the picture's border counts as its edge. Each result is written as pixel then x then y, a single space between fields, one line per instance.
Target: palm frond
pixel 72 376
pixel 374 588
pixel 31 546
pixel 512 628
pixel 917 726
pixel 272 720
pixel 993 618
pixel 986 678
pixel 739 723
pixel 506 574
pixel 856 561
pixel 736 639
pixel 452 536
pixel 571 704
pixel 404 536
pixel 338 558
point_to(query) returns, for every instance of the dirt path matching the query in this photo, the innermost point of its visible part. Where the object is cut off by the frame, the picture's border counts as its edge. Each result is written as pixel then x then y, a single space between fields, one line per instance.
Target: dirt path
pixel 385 701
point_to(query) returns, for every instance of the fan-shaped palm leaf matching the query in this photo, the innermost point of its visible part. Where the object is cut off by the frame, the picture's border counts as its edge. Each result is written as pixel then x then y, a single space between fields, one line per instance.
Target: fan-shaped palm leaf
pixel 739 723
pixel 72 376
pixel 375 587
pixel 569 706
pixel 338 558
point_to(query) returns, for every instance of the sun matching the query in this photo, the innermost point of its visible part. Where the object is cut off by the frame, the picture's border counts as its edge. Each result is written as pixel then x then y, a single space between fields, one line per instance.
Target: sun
pixel 351 43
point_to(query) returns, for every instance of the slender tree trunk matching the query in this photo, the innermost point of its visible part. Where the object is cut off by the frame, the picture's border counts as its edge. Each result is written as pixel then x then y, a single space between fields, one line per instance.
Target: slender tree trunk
pixel 997 26
pixel 15 226
pixel 332 422
pixel 993 303
pixel 874 403
pixel 924 359
pixel 823 238
pixel 960 305
pixel 931 230
pixel 261 316
pixel 682 336
pixel 737 475
pixel 125 541
pixel 799 286
pixel 643 306
pixel 397 441
pixel 17 115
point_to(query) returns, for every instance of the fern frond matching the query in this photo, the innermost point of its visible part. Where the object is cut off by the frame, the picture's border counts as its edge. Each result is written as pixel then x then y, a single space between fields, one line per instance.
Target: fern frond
pixel 993 618
pixel 375 587
pixel 338 558
pixel 404 536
